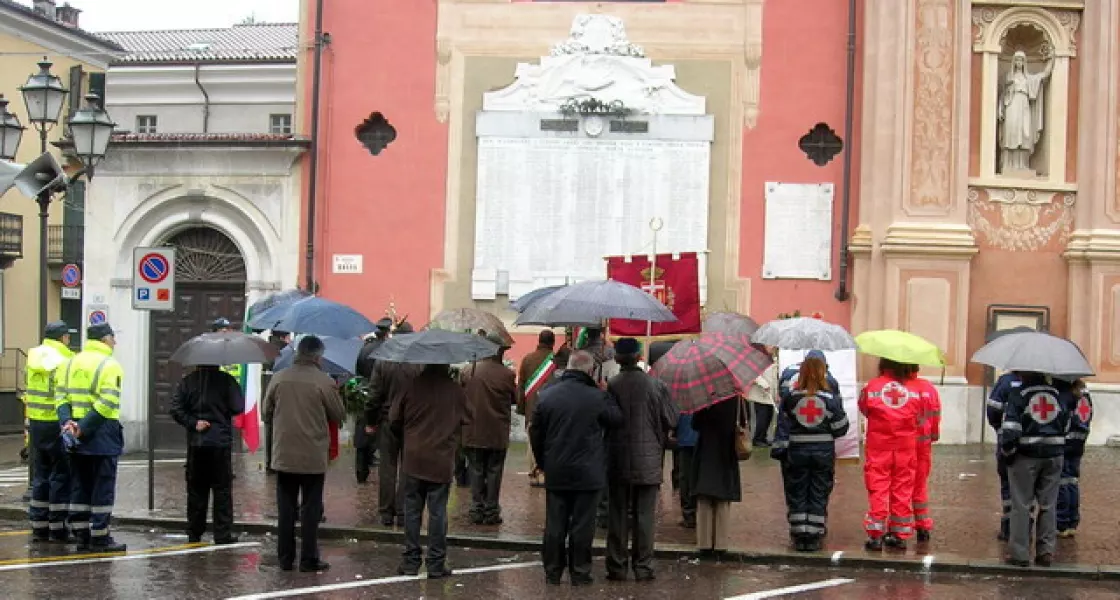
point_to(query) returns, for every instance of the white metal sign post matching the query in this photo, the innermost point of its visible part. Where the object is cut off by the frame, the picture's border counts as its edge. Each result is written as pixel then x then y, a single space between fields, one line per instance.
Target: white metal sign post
pixel 153 289
pixel 153 278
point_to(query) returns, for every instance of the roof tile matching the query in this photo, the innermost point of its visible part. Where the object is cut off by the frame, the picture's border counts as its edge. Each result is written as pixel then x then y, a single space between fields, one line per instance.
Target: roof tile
pixel 240 43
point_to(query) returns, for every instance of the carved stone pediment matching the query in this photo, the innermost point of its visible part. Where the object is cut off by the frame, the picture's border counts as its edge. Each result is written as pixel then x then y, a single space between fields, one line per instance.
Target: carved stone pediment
pixel 596 62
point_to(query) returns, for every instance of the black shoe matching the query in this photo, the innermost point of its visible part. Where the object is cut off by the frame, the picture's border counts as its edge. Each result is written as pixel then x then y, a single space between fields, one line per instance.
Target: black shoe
pixel 408 571
pixel 923 535
pixel 799 545
pixel 552 580
pixel 314 567
pixel 287 567
pixel 386 521
pixel 194 539
pixel 873 544
pixel 1018 563
pixel 687 524
pixel 442 573
pixel 1044 560
pixel 400 520
pixel 61 539
pixel 476 519
pixel 1002 536
pixel 226 540
pixel 644 577
pixel 616 576
pixel 40 539
pixel 110 545
pixel 362 479
pixel 815 544
pixel 585 580
pixel 492 521
pixel 894 542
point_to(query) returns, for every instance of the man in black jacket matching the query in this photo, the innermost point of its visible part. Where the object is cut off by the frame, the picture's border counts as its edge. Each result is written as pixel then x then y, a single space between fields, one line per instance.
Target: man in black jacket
pixel 205 403
pixel 366 445
pixel 569 422
pixel 388 384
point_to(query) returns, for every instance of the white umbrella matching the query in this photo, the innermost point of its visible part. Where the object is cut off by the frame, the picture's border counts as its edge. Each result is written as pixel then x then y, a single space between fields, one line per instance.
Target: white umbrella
pixel 1035 352
pixel 803 333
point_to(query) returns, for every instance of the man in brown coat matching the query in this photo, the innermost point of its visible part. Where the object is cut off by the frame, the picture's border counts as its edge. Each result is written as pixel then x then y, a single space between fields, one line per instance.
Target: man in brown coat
pixel 301 403
pixel 491 394
pixel 635 456
pixel 427 418
pixel 532 374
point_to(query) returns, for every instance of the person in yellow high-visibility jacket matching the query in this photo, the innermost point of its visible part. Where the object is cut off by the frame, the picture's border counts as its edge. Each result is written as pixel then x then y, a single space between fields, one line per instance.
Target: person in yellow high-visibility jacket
pixel 50 469
pixel 89 407
pixel 222 324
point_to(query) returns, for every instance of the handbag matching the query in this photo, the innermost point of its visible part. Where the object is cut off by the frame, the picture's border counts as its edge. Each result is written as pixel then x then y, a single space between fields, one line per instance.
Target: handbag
pixel 742 434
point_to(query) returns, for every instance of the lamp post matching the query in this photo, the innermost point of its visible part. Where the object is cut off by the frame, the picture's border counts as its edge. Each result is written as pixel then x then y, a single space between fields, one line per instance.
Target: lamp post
pixel 43 95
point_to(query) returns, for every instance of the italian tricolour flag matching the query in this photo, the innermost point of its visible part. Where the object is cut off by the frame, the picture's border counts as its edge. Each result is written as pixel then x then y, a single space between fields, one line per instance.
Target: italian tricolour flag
pixel 541 375
pixel 249 422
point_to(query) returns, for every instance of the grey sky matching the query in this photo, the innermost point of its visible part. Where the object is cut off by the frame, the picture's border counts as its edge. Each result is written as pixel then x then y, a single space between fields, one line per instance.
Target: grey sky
pixel 135 15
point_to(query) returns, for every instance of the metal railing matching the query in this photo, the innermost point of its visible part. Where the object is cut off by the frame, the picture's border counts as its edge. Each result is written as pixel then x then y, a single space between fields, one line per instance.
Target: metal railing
pixel 11 235
pixel 65 243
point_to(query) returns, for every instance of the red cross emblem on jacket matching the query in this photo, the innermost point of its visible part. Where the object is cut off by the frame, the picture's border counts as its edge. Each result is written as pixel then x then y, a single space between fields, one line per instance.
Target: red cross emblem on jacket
pixel 809 411
pixel 1084 410
pixel 895 395
pixel 1043 407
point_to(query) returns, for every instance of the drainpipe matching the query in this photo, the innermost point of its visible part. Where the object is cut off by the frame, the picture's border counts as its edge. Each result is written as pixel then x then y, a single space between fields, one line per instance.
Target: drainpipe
pixel 849 124
pixel 313 168
pixel 205 98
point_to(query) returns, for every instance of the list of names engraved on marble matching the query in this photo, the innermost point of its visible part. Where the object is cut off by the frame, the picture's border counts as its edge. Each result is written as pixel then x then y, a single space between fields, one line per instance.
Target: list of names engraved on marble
pixel 798 235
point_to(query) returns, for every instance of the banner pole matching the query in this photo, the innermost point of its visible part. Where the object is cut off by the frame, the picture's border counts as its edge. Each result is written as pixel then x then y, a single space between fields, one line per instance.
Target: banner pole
pixel 655 225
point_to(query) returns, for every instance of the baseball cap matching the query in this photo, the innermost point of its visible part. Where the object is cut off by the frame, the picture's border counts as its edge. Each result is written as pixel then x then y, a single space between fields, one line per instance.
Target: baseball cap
pixel 56 329
pixel 96 332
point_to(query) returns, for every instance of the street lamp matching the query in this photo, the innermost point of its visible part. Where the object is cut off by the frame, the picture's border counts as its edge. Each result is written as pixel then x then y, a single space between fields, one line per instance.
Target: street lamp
pixel 11 131
pixel 43 94
pixel 91 127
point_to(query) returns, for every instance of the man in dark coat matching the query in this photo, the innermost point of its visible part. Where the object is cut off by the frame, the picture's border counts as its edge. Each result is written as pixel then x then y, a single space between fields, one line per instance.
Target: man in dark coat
pixel 567 438
pixel 389 383
pixel 365 445
pixel 491 395
pixel 427 419
pixel 205 403
pixel 635 457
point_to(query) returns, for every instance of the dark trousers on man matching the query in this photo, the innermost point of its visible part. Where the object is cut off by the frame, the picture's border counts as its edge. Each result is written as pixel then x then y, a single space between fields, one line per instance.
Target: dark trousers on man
pixel 209 471
pixel 418 495
pixel 462 468
pixel 688 500
pixel 1069 494
pixel 763 415
pixel 1004 496
pixel 569 530
pixel 304 493
pixel 365 458
pixel 93 487
pixel 390 491
pixel 50 481
pixel 808 477
pixel 631 522
pixel 486 467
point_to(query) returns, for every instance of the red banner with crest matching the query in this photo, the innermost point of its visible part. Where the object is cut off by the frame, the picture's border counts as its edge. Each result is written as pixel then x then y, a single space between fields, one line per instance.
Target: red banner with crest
pixel 674 280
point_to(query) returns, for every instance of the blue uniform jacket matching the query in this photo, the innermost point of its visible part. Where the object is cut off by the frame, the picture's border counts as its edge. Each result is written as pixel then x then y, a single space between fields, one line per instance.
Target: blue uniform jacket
pixel 1080 418
pixel 1037 431
pixel 686 435
pixel 817 436
pixel 997 398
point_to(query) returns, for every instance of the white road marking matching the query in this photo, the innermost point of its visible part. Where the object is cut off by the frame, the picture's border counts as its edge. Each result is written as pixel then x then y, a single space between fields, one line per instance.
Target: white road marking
pixel 153 553
pixel 371 582
pixel 793 589
pixel 836 556
pixel 927 562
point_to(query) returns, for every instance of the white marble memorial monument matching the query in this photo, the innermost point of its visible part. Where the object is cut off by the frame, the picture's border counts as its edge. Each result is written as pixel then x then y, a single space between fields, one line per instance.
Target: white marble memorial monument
pixel 578 155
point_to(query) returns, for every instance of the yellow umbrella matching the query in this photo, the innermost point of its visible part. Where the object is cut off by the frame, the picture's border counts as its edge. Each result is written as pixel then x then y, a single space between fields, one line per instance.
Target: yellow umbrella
pixel 901 347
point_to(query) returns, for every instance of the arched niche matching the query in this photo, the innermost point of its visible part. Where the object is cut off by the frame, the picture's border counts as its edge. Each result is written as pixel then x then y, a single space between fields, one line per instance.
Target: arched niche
pixel 1047 39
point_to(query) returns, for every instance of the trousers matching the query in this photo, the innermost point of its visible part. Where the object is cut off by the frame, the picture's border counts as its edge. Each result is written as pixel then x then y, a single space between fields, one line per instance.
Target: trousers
pixel 1004 495
pixel 50 481
pixel 630 519
pixel 569 530
pixel 763 415
pixel 1033 480
pixel 920 501
pixel 93 486
pixel 418 496
pixel 390 492
pixel 713 519
pixel 209 470
pixel 684 481
pixel 1069 493
pixel 303 493
pixel 888 474
pixel 486 467
pixel 808 477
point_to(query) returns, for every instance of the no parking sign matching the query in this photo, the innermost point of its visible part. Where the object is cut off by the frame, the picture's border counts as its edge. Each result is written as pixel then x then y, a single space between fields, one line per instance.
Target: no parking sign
pixel 153 278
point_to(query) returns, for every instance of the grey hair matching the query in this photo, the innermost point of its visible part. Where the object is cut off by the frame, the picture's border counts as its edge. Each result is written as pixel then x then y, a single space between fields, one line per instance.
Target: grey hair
pixel 582 361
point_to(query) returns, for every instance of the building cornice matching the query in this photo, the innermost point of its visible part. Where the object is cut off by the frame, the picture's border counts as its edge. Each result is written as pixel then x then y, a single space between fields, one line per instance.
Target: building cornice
pixel 21 23
pixel 929 240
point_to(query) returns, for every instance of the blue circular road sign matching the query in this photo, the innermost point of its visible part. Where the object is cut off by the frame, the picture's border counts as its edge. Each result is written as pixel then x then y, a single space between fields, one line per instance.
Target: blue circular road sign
pixel 71 276
pixel 154 268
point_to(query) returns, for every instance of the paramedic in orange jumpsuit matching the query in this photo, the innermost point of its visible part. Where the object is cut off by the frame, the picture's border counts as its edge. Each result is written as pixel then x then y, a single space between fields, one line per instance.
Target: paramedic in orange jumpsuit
pixel 929 433
pixel 893 412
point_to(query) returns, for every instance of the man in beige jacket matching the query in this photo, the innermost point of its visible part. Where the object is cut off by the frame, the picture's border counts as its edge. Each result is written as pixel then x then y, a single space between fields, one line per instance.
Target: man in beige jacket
pixel 762 397
pixel 301 403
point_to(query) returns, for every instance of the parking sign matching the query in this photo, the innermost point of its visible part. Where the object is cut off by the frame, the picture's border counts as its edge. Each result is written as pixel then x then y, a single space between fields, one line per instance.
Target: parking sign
pixel 153 278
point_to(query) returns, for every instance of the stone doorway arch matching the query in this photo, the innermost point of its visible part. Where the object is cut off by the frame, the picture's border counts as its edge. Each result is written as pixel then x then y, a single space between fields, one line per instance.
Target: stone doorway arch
pixel 210 282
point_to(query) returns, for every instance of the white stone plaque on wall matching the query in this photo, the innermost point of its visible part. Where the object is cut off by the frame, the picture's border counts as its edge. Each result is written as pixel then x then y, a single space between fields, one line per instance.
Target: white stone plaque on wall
pixel 798 231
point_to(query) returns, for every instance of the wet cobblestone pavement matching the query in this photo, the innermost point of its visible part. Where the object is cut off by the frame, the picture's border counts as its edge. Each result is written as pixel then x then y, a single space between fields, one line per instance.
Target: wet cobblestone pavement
pixel 964 498
pixel 160 565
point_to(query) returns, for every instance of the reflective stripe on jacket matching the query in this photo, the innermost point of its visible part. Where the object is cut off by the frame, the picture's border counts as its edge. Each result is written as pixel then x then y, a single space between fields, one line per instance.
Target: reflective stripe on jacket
pixel 91 395
pixel 43 376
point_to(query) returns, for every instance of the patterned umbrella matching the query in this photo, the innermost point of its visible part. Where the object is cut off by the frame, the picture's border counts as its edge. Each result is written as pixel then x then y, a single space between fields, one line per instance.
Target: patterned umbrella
pixel 803 333
pixel 469 320
pixel 730 322
pixel 708 369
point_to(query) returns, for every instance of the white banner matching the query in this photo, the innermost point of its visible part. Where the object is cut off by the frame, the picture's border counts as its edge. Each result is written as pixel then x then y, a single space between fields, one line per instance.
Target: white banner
pixel 842 366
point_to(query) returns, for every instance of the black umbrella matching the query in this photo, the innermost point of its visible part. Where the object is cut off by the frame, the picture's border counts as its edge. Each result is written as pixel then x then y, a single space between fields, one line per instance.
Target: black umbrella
pixel 435 347
pixel 524 301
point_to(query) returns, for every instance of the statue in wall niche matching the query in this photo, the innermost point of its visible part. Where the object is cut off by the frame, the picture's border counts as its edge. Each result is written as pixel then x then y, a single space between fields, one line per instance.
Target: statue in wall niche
pixel 1021 115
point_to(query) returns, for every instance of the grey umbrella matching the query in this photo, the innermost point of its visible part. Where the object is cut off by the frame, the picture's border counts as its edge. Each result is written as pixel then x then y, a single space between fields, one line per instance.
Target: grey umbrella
pixel 340 356
pixel 523 302
pixel 435 347
pixel 589 303
pixel 224 348
pixel 1036 352
pixel 803 333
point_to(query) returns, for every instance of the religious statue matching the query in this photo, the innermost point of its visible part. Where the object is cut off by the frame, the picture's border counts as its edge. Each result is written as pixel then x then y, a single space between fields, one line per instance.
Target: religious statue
pixel 1021 110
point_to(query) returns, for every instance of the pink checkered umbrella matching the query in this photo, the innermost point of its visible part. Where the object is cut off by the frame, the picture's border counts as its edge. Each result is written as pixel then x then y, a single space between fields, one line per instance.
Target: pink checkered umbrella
pixel 710 368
